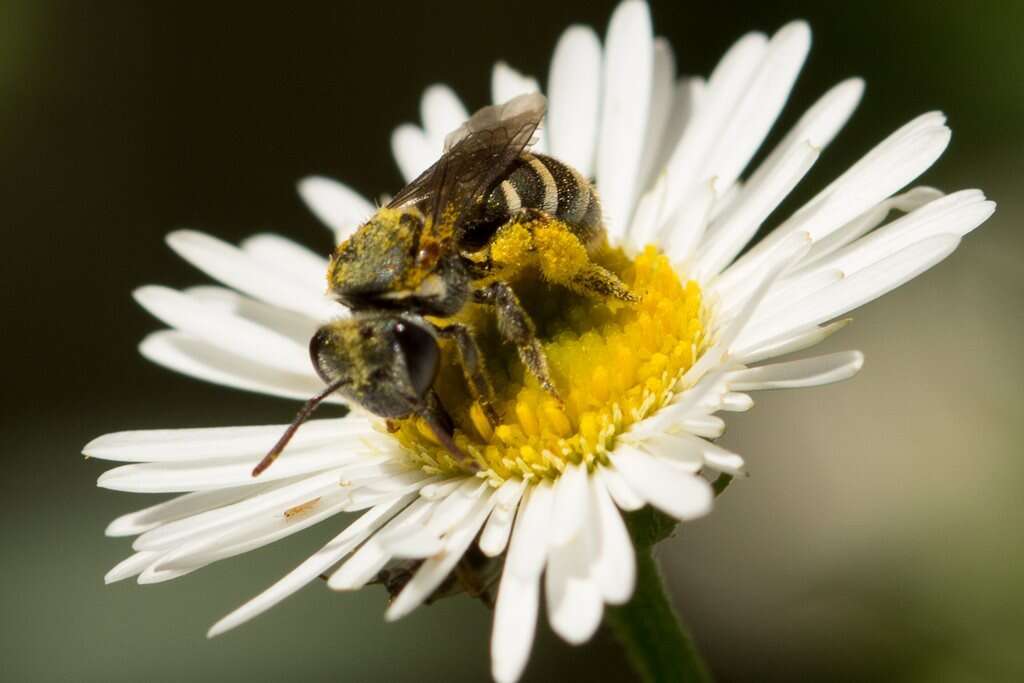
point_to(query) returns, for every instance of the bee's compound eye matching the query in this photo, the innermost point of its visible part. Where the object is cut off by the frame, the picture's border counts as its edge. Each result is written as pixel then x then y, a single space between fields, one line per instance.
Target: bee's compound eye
pixel 316 351
pixel 422 356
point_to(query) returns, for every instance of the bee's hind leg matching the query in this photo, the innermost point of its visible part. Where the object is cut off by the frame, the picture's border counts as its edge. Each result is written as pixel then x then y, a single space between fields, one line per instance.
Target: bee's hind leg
pixel 515 326
pixel 472 362
pixel 443 427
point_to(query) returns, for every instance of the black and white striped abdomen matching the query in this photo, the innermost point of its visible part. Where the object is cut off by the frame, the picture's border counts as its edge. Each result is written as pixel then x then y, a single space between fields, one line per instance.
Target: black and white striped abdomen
pixel 536 181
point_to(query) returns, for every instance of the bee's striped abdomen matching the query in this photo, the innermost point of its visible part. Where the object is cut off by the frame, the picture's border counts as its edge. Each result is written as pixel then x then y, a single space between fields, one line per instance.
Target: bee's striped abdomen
pixel 539 182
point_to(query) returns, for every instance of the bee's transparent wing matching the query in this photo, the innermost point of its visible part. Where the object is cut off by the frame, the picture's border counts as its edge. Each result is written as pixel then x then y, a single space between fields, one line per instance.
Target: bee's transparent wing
pixel 475 155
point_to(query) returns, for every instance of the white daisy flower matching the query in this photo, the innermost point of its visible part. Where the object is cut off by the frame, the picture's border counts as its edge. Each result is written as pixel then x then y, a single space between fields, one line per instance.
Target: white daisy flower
pixel 643 385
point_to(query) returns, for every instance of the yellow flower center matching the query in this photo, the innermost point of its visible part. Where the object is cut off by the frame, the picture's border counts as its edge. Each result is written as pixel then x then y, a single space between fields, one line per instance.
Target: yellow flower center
pixel 613 364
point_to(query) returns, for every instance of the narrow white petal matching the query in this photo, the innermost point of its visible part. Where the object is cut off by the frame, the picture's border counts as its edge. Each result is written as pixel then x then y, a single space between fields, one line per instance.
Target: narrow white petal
pixel 869 220
pixel 729 81
pixel 166 445
pixel 715 456
pixel 179 507
pixel 707 426
pixel 683 232
pixel 628 66
pixel 570 504
pixel 788 342
pixel 131 566
pixel 891 165
pixel 507 83
pixel 574 87
pixel 413 150
pixel 168 477
pixel 675 449
pixel 194 357
pixel 532 531
pixel 296 493
pixel 856 290
pixel 573 596
pixel 458 503
pixel 760 105
pixel 676 492
pixel 435 569
pixel 619 490
pixel 371 557
pixel 614 568
pixel 663 94
pixel 321 561
pixel 442 112
pixel 339 207
pixel 237 269
pixel 728 235
pixel 494 537
pixel 229 332
pixel 295 326
pixel 292 259
pixel 515 622
pixel 806 372
pixel 955 214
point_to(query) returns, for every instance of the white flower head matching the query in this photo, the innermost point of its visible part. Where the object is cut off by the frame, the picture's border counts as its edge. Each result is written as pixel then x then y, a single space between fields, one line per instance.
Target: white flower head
pixel 643 385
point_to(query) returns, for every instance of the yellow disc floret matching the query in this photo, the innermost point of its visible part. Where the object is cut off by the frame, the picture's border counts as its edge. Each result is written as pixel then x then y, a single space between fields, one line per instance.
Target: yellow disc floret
pixel 613 364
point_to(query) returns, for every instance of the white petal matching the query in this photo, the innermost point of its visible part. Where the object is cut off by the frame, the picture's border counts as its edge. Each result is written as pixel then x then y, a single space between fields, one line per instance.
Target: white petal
pixel 179 507
pixel 789 342
pixel 531 534
pixel 573 596
pixel 292 259
pixel 687 166
pixel 728 235
pixel 494 537
pixel 856 290
pixel 570 505
pixel 339 207
pixel 869 220
pixel 614 568
pixel 683 232
pixel 237 269
pixel 891 165
pixel 760 105
pixel 515 622
pixel 167 477
pixel 457 505
pixel 436 569
pixel 131 566
pixel 295 326
pixel 366 562
pixel 321 561
pixel 442 112
pixel 956 214
pixel 619 490
pixel 663 93
pixel 676 492
pixel 507 83
pixel 628 65
pixel 306 489
pixel 413 150
pixel 167 445
pixel 228 332
pixel 574 86
pixel 807 372
pixel 194 357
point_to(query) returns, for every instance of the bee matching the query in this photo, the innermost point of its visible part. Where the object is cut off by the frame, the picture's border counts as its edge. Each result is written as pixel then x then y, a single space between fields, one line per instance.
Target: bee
pixel 487 210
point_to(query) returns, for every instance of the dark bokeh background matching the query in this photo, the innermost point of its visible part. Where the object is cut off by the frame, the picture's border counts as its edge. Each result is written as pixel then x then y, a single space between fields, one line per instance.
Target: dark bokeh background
pixel 879 536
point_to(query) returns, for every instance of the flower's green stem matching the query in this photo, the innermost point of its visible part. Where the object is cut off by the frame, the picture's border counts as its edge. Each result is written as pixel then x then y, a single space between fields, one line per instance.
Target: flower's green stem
pixel 655 639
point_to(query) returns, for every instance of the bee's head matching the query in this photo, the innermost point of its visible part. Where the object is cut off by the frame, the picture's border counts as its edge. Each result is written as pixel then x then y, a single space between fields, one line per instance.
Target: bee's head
pixel 386 363
pixel 392 262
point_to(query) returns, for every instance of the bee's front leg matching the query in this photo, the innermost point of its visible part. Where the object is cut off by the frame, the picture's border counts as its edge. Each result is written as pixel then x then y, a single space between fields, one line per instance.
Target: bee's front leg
pixel 473 369
pixel 515 326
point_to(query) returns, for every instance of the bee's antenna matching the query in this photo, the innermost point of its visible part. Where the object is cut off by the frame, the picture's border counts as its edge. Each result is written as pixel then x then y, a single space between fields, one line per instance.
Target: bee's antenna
pixel 303 415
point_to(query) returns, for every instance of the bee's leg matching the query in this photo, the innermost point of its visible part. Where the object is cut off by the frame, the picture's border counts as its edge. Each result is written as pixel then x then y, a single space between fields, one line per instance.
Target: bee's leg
pixel 473 369
pixel 515 326
pixel 564 260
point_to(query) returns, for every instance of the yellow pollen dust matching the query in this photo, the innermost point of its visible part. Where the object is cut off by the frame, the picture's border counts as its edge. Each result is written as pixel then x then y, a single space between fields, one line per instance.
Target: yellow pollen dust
pixel 613 364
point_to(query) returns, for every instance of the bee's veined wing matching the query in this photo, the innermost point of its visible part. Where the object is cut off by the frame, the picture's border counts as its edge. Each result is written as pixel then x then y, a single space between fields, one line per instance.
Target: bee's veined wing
pixel 475 155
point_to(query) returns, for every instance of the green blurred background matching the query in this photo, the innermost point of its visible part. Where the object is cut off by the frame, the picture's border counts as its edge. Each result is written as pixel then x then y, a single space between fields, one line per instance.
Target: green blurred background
pixel 879 536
